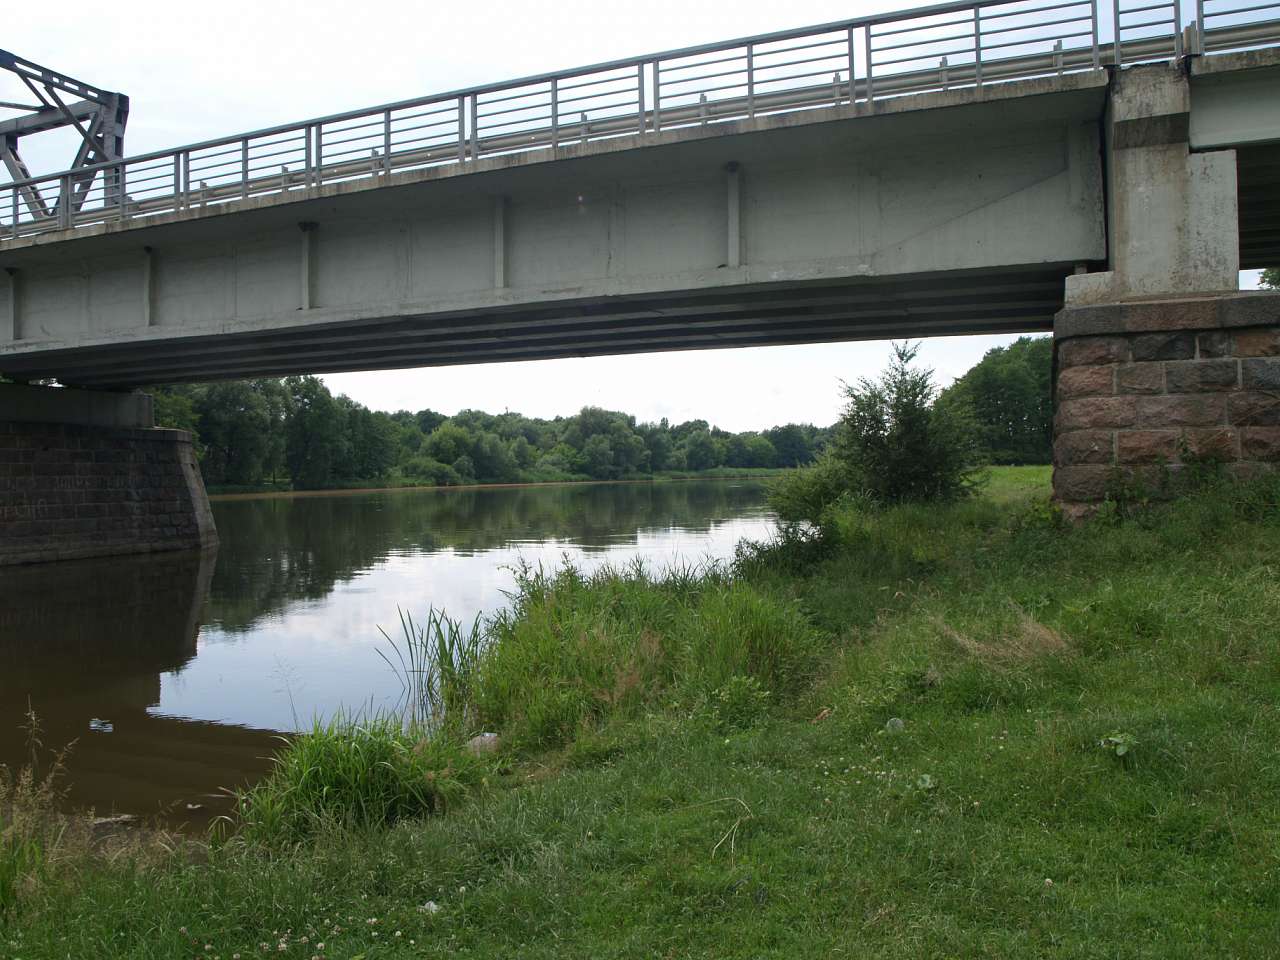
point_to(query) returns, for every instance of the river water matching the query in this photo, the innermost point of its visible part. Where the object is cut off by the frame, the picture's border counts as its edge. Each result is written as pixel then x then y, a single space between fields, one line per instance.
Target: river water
pixel 172 676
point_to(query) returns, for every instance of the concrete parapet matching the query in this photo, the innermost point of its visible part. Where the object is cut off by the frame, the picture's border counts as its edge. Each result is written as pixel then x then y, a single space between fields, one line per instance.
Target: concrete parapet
pixel 70 490
pixel 1144 390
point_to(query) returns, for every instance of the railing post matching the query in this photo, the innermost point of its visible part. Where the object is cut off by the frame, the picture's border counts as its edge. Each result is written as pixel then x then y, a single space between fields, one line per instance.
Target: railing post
pixel 475 126
pixel 555 113
pixel 462 129
pixel 177 181
pixel 1116 56
pixel 640 96
pixel 244 168
pixel 977 46
pixel 1177 30
pixel 123 193
pixel 13 200
pixel 657 96
pixel 386 141
pixel 1199 26
pixel 751 80
pixel 319 174
pixel 853 75
pixel 186 179
pixel 307 173
pixel 64 202
pixel 866 39
pixel 1093 23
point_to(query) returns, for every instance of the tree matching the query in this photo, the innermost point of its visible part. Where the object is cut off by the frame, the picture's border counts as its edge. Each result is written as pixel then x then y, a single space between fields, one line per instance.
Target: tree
pixel 235 426
pixel 314 433
pixel 701 452
pixel 1010 394
pixel 899 444
pixel 1271 278
pixel 895 443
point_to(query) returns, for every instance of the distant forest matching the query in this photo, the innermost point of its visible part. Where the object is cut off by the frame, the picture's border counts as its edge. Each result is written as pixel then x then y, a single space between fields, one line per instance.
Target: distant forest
pixel 295 432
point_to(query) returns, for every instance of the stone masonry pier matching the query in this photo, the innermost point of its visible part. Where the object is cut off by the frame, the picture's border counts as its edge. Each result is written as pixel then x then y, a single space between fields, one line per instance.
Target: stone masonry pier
pixel 86 474
pixel 1145 390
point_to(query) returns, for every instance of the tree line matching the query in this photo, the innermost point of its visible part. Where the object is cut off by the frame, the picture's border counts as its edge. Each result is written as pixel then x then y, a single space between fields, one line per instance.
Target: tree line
pixel 295 431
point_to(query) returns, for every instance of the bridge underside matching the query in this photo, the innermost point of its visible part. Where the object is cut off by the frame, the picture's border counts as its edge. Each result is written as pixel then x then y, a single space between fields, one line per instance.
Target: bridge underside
pixel 964 302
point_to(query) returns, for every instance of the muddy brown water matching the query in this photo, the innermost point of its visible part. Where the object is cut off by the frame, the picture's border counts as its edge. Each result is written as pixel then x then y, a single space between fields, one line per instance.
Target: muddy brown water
pixel 172 677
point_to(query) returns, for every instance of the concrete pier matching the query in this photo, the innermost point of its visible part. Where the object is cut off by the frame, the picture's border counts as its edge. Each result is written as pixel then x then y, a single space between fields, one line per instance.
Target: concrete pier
pixel 87 474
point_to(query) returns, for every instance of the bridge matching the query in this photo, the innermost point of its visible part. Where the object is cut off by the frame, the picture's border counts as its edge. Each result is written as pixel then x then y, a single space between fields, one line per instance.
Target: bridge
pixel 971 167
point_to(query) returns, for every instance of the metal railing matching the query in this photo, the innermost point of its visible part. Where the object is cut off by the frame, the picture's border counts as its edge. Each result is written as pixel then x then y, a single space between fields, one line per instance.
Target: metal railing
pixel 942 47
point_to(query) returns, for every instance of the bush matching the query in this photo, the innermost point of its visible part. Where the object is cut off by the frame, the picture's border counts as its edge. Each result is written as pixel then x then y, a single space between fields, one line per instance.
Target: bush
pixel 896 442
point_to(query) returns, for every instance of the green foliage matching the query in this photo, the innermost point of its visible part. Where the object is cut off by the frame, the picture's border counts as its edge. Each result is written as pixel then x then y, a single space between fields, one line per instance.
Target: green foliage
pixel 899 444
pixel 576 651
pixel 354 774
pixel 252 433
pixel 806 495
pixel 1010 393
pixel 1271 278
pixel 739 704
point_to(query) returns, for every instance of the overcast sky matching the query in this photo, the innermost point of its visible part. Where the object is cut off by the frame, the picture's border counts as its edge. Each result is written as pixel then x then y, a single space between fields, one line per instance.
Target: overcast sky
pixel 195 72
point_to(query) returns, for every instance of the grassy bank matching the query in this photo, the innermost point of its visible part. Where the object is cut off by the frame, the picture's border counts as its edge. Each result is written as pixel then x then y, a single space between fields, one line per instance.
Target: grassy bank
pixel 944 731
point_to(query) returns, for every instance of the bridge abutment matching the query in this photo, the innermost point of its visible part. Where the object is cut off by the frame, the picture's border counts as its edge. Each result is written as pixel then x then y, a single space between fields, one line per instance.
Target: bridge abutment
pixel 86 474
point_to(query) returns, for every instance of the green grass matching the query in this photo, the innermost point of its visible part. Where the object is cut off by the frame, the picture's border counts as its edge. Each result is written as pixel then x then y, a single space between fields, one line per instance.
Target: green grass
pixel 746 794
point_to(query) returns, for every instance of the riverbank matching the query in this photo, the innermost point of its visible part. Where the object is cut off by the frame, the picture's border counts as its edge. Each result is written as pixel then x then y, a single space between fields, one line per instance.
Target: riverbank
pixel 963 730
pixel 716 473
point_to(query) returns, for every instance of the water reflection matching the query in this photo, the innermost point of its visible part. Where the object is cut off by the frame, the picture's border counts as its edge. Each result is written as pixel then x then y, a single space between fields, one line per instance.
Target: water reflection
pixel 196 663
pixel 90 640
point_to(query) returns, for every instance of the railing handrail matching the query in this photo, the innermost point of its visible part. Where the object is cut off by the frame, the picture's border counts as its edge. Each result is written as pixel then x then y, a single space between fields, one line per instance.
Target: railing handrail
pixel 470 140
pixel 605 66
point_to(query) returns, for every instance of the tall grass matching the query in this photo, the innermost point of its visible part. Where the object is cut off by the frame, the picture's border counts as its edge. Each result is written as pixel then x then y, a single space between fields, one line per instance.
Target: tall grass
pixel 436 664
pixel 575 650
pixel 32 834
pixel 354 774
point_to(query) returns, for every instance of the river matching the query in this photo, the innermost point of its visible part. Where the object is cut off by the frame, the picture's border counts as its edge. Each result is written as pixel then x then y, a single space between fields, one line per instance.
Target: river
pixel 171 677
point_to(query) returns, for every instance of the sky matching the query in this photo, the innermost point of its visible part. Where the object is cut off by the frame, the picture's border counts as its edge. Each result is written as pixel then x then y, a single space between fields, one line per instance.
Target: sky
pixel 195 72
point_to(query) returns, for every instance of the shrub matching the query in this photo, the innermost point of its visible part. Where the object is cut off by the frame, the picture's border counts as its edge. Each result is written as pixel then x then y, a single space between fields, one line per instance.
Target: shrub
pixel 896 442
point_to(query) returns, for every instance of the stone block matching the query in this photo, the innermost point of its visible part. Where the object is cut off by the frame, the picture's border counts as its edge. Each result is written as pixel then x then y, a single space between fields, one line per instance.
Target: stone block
pixel 1253 410
pixel 1260 443
pixel 1213 343
pixel 1190 410
pixel 1201 376
pixel 1260 374
pixel 1258 342
pixel 1082 484
pixel 1084 447
pixel 1146 446
pixel 1091 413
pixel 1140 378
pixel 1163 346
pixel 1218 445
pixel 1087 381
pixel 1092 351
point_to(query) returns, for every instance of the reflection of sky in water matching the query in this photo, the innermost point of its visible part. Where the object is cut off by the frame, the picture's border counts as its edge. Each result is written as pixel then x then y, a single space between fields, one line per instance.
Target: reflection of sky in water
pixel 314 655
